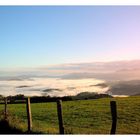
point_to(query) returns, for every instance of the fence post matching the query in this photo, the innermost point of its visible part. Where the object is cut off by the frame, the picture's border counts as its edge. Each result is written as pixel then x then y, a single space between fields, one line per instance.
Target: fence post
pixel 60 117
pixel 5 109
pixel 114 116
pixel 29 115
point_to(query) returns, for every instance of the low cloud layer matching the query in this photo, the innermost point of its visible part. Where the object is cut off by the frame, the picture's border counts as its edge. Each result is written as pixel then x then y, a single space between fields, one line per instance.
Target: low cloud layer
pixel 50 86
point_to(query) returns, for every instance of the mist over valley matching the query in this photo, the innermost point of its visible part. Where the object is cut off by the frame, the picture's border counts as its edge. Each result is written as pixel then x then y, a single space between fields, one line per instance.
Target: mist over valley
pixel 116 78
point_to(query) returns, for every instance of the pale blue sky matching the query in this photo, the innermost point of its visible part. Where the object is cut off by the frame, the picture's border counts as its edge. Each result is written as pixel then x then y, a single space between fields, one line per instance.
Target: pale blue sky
pixel 40 36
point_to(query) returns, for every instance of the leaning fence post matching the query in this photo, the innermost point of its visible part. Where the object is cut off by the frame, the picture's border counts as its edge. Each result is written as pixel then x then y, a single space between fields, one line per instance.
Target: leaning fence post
pixel 114 116
pixel 29 115
pixel 60 117
pixel 5 109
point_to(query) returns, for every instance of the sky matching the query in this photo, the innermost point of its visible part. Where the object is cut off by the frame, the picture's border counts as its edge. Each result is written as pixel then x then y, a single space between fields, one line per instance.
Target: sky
pixel 47 35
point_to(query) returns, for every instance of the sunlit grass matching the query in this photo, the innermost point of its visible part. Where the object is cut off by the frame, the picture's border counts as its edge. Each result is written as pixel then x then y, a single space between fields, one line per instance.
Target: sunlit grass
pixel 80 117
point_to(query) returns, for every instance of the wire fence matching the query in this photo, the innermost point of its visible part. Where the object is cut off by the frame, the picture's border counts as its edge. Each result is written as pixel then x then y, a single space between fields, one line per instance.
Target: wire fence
pixel 102 116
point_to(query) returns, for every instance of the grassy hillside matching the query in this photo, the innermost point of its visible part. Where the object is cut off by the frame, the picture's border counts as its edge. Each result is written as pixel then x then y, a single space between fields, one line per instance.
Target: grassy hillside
pixel 80 117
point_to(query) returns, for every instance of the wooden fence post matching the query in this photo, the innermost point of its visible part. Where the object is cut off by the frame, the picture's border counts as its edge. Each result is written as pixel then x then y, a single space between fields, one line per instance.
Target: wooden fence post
pixel 5 109
pixel 114 116
pixel 29 115
pixel 60 117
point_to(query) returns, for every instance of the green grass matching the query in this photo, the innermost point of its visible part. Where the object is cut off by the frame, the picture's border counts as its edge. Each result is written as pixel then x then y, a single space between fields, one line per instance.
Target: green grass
pixel 80 117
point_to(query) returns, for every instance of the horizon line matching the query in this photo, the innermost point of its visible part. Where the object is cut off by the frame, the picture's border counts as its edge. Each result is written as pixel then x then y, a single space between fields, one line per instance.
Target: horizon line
pixel 62 64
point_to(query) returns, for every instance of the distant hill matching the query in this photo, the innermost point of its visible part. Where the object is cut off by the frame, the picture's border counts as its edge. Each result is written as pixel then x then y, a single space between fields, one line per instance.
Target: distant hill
pixel 125 88
pixel 91 95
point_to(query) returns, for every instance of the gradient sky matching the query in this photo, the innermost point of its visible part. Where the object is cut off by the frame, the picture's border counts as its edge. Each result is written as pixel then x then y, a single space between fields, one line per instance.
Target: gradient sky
pixel 39 36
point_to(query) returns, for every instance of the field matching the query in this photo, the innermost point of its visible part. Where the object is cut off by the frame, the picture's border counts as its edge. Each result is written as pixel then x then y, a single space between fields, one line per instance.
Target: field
pixel 80 117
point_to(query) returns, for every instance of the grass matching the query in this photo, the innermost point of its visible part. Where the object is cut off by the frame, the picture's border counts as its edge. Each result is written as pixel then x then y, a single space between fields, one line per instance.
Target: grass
pixel 80 117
